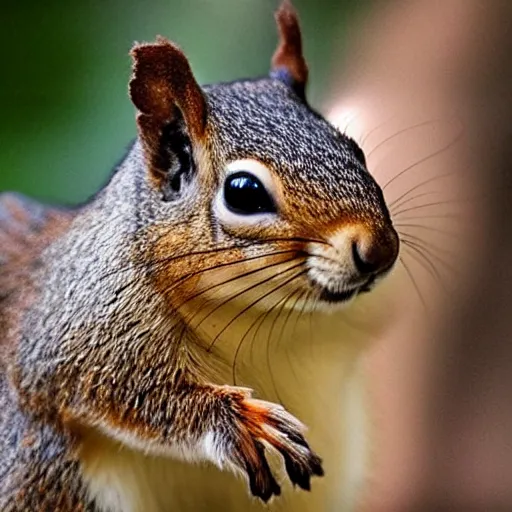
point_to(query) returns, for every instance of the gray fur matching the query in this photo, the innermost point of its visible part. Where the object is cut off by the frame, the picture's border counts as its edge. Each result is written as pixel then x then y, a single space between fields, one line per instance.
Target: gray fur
pixel 95 318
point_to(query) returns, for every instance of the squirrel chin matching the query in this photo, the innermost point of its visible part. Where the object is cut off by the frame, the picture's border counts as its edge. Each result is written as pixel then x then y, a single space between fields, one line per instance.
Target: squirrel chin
pixel 369 312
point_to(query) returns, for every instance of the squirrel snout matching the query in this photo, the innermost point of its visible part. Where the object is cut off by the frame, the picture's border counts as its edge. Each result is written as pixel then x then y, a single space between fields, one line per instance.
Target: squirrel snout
pixel 374 251
pixel 358 254
pixel 367 249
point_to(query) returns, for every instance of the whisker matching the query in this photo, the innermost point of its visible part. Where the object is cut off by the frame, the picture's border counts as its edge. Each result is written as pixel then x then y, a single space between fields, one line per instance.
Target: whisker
pixel 479 197
pixel 311 311
pixel 224 282
pixel 413 198
pixel 288 315
pixel 423 160
pixel 167 259
pixel 305 294
pixel 432 254
pixel 261 318
pixel 269 337
pixel 256 331
pixel 427 228
pixel 450 216
pixel 349 121
pixel 454 201
pixel 184 278
pixel 245 290
pixel 422 260
pixel 414 283
pixel 422 184
pixel 420 206
pixel 423 242
pixel 239 347
pixel 252 304
pixel 365 138
pixel 231 279
pixel 299 315
pixel 400 132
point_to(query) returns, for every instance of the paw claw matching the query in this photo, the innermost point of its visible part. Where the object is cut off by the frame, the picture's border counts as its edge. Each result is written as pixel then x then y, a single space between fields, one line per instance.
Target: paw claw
pixel 263 422
pixel 262 483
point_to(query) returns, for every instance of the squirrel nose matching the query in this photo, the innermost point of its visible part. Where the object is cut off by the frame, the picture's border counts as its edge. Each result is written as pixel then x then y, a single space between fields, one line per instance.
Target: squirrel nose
pixel 374 251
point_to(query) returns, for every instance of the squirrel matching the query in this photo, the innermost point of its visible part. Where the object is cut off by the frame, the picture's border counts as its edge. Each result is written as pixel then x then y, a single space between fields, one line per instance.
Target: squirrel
pixel 192 318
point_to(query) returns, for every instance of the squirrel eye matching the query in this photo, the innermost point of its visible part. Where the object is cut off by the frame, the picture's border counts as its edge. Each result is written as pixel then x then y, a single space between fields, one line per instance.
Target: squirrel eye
pixel 245 194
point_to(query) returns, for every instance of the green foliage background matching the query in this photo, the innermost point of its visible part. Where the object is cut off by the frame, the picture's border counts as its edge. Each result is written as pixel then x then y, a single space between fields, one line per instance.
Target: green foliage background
pixel 66 116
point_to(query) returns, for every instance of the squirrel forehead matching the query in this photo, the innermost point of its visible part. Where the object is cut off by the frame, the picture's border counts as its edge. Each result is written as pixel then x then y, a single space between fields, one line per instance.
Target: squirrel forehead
pixel 267 116
pixel 264 119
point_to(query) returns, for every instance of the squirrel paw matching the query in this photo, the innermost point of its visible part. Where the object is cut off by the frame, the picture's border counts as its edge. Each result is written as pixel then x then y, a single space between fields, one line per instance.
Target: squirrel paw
pixel 260 422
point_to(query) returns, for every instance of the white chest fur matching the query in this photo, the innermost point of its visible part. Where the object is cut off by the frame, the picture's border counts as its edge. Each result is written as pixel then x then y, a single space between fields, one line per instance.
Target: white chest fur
pixel 312 369
pixel 125 480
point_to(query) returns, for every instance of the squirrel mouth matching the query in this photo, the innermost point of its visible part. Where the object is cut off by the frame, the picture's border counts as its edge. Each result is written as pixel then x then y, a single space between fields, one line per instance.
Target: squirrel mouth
pixel 345 295
pixel 330 296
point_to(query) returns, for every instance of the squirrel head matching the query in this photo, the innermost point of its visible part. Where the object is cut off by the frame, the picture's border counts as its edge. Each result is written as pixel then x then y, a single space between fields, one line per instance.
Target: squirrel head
pixel 236 198
pixel 246 179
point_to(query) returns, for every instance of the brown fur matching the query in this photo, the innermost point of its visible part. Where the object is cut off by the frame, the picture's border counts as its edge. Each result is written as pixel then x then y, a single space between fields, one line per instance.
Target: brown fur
pixel 23 236
pixel 134 319
pixel 288 55
pixel 162 82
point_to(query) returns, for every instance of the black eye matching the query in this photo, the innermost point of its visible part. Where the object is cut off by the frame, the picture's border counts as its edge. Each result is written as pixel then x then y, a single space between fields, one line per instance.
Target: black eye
pixel 245 194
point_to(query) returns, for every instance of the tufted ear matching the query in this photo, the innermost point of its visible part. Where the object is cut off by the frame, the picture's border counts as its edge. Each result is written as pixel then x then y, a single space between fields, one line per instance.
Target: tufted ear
pixel 288 63
pixel 164 90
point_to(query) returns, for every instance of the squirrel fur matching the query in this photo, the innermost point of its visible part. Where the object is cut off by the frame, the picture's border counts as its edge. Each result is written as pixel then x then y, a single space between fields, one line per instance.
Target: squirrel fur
pixel 158 339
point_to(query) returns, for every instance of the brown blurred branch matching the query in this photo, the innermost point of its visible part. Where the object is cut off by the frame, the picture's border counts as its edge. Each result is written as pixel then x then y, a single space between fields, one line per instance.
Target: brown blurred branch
pixel 470 410
pixel 443 380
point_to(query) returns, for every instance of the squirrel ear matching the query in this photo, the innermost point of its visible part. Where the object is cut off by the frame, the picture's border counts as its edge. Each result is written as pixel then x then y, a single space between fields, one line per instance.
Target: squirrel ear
pixel 161 83
pixel 288 63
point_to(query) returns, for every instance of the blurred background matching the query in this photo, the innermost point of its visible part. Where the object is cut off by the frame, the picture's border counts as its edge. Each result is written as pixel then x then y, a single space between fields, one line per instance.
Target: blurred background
pixel 63 88
pixel 425 86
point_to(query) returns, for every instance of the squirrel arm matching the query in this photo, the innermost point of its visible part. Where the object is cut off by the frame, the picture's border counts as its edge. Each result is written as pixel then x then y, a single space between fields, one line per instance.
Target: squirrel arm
pixel 220 424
